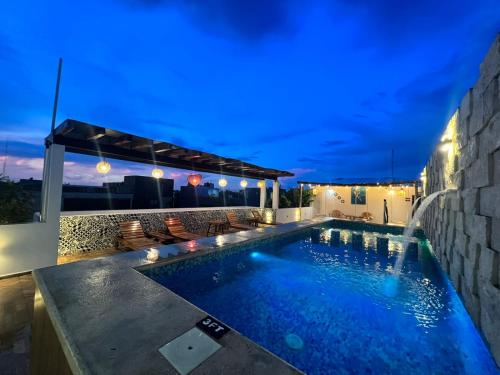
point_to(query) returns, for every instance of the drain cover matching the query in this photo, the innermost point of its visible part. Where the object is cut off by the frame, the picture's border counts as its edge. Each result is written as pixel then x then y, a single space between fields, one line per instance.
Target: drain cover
pixel 189 350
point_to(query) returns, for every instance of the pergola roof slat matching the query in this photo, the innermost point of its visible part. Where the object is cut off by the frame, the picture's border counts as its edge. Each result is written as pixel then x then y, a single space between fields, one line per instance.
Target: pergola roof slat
pixel 83 138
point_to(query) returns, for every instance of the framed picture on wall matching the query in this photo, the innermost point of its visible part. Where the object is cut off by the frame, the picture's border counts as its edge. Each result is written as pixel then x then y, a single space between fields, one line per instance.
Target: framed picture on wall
pixel 358 195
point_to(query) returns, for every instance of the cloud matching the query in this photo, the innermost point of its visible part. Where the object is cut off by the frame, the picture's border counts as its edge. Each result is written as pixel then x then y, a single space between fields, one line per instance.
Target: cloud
pixel 250 157
pixel 251 20
pixel 7 52
pixel 282 135
pixel 219 143
pixel 394 23
pixel 163 123
pixel 335 142
pixel 21 149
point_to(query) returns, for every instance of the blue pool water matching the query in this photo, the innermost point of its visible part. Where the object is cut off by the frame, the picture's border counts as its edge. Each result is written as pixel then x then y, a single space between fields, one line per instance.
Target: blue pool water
pixel 336 308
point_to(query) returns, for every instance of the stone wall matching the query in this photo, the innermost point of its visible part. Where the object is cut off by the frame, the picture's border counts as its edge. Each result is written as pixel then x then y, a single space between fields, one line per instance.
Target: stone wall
pixel 88 232
pixel 463 225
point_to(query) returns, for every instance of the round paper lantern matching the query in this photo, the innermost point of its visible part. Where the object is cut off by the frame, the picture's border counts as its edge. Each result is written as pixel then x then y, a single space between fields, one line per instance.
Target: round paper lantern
pixel 194 179
pixel 103 167
pixel 243 183
pixel 157 173
pixel 222 182
pixel 261 184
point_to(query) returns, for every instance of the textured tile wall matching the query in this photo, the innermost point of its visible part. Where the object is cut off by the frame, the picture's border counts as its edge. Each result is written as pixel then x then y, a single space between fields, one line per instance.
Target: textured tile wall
pixel 94 232
pixel 464 225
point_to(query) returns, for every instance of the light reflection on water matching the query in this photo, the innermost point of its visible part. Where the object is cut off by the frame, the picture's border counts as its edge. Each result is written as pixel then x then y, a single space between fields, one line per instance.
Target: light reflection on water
pixel 342 302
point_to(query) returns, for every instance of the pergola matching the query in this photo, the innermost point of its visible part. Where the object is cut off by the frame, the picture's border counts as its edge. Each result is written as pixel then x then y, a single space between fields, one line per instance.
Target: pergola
pixel 82 138
pixel 356 183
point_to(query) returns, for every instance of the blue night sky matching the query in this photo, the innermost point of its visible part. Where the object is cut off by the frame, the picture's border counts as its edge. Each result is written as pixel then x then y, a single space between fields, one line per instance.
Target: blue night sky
pixel 324 89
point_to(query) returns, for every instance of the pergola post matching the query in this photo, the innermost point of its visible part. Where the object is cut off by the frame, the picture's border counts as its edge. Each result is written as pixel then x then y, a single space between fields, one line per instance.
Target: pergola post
pixel 300 201
pixel 263 193
pixel 276 194
pixel 53 169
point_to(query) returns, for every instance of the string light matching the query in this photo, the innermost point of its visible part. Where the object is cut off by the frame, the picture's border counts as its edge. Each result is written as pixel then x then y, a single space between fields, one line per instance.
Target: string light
pixel 157 173
pixel 103 167
pixel 222 182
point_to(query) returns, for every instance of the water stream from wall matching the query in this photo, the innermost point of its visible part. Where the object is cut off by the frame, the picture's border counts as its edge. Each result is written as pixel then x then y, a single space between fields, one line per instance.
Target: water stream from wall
pixel 392 282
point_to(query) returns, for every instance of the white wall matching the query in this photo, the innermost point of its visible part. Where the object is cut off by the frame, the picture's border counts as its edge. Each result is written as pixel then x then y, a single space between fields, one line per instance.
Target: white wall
pixel 24 247
pixel 287 215
pixel 399 208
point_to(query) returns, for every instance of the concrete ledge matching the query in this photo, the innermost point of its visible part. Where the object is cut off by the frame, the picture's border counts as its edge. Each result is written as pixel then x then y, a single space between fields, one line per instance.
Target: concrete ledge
pixel 109 318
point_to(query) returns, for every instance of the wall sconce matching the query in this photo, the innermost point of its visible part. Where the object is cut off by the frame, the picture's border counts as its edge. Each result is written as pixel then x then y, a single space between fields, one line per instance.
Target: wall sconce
pixel 445 147
pixel 243 183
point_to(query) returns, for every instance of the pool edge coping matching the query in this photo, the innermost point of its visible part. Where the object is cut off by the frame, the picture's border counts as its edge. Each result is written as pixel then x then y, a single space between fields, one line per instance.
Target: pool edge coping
pixel 136 261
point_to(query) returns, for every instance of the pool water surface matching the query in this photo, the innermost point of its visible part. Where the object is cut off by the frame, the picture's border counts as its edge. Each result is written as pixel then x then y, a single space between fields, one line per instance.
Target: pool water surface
pixel 336 307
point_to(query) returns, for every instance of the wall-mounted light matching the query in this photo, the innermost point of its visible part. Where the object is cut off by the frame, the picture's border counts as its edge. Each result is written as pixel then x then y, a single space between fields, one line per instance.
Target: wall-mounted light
pixel 103 167
pixel 445 147
pixel 157 173
pixel 222 182
pixel 243 183
pixel 261 184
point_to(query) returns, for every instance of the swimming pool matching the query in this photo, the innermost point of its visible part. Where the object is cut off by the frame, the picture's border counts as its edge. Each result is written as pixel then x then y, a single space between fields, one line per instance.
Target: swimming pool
pixel 335 307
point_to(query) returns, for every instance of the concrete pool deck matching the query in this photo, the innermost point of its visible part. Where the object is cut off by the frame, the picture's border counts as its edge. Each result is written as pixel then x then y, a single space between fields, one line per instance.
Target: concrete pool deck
pixel 107 317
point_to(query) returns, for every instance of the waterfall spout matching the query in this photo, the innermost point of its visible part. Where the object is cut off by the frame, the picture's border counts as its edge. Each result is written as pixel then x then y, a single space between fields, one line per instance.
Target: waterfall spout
pixel 413 225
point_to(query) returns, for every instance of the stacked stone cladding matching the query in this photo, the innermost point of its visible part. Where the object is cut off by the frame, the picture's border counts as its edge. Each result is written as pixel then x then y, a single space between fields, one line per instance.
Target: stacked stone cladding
pixel 463 225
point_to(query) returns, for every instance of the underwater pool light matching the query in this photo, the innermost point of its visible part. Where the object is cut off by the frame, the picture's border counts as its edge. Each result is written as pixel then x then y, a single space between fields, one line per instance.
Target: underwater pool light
pixel 255 254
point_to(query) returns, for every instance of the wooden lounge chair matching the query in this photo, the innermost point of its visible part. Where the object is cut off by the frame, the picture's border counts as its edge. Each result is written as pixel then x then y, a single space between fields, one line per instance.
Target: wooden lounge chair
pixel 256 214
pixel 132 236
pixel 176 228
pixel 338 214
pixel 234 223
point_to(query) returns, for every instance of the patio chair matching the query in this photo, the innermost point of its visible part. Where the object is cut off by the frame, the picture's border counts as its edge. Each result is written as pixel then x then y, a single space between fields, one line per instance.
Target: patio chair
pixel 338 214
pixel 367 216
pixel 132 236
pixel 257 215
pixel 176 228
pixel 234 223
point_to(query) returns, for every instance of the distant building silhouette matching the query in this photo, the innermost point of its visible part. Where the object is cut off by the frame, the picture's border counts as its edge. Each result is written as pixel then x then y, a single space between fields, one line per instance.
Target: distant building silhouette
pixel 206 195
pixel 134 192
pixel 148 192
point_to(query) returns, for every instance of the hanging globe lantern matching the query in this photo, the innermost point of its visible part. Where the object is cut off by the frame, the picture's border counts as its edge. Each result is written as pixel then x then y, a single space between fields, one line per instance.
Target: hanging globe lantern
pixel 103 167
pixel 222 182
pixel 261 184
pixel 157 173
pixel 194 179
pixel 243 183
